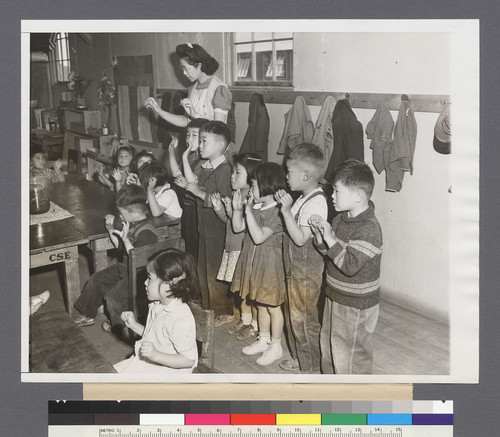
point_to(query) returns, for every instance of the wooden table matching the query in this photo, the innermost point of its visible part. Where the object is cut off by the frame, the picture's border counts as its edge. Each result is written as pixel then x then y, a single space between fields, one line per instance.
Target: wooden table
pixel 58 241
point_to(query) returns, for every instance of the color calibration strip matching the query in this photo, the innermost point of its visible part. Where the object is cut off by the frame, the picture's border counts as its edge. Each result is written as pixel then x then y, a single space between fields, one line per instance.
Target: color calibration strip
pixel 221 413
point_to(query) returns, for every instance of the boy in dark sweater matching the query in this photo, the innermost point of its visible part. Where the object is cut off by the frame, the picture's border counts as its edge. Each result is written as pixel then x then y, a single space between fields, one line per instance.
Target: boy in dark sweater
pixel 353 249
pixel 111 284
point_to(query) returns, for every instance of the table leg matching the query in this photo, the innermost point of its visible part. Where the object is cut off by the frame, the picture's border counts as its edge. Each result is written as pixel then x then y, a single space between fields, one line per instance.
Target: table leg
pixel 72 283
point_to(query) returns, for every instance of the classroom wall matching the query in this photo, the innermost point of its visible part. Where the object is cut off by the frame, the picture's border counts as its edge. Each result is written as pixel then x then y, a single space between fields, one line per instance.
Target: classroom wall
pixel 414 221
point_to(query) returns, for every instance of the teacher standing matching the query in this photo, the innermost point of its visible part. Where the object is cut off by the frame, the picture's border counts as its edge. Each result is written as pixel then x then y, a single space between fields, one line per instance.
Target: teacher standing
pixel 208 97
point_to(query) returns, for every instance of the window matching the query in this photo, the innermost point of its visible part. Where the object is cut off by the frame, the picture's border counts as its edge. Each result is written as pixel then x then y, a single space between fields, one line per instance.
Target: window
pixel 262 58
pixel 59 58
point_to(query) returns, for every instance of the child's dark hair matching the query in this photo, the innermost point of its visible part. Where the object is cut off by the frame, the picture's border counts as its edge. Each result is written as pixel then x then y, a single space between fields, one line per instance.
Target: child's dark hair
pixel 196 54
pixel 270 178
pixel 248 161
pixel 150 170
pixel 312 155
pixel 355 174
pixel 132 198
pixel 128 149
pixel 178 269
pixel 217 128
pixel 197 123
pixel 135 160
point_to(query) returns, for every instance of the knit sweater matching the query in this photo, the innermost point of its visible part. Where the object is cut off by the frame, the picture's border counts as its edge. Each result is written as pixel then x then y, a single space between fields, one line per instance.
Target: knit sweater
pixel 353 262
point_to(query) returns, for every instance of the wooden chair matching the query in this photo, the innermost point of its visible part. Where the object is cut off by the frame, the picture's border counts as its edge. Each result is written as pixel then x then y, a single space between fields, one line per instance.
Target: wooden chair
pixel 205 319
pixel 137 259
pixel 205 335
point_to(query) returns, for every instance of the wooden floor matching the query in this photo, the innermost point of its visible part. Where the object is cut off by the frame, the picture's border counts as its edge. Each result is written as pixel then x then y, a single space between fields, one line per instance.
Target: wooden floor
pixel 405 343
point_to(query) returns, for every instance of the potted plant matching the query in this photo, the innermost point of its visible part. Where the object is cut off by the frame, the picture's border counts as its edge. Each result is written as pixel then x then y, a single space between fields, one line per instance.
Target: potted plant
pixel 107 96
pixel 78 85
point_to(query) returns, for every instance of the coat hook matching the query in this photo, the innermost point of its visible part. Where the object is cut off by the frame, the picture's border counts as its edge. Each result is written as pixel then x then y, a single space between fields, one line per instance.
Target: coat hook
pixel 347 96
pixel 404 97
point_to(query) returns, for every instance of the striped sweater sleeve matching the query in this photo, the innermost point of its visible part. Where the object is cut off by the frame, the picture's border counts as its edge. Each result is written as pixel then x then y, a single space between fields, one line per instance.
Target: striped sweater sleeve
pixel 350 255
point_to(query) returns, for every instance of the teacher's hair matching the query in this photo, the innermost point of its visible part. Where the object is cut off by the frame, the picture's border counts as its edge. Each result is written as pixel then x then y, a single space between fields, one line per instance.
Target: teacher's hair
pixel 196 54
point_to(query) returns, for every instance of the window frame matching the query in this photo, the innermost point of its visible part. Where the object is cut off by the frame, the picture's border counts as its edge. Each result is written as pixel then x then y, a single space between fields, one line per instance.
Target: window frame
pixel 232 64
pixel 60 66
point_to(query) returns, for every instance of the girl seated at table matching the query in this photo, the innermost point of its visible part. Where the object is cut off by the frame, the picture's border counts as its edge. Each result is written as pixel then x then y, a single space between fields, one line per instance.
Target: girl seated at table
pixel 141 158
pixel 121 166
pixel 39 173
pixel 162 198
pixel 168 341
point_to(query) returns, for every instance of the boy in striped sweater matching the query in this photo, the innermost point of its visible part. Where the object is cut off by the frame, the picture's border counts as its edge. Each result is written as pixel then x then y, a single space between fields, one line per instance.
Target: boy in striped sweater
pixel 353 249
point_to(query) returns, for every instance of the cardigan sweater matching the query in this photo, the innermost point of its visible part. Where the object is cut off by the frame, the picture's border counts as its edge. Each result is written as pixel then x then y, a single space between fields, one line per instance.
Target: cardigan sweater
pixel 353 262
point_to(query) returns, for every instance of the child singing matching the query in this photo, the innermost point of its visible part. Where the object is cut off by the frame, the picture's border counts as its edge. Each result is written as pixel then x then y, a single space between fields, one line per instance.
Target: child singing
pixel 259 274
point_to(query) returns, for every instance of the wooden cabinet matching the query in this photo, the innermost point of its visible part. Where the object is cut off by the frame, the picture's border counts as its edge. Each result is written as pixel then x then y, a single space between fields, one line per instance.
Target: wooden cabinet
pixel 82 121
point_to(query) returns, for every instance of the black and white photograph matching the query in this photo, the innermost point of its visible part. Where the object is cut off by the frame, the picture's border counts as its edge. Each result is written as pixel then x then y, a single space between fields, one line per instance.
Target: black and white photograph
pixel 250 201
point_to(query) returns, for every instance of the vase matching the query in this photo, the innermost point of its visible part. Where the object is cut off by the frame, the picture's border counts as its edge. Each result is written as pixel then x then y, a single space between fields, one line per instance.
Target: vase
pixel 39 199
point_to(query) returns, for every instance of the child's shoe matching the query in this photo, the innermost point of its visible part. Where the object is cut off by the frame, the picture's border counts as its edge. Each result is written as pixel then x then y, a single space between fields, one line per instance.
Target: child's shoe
pixel 248 331
pixel 257 347
pixel 223 319
pixel 106 326
pixel 236 327
pixel 36 302
pixel 274 352
pixel 83 320
pixel 292 365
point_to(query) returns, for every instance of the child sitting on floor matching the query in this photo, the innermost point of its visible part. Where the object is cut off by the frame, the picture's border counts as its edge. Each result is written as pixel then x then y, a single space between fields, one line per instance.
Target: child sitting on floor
pixel 168 341
pixel 39 173
pixel 121 164
pixel 111 284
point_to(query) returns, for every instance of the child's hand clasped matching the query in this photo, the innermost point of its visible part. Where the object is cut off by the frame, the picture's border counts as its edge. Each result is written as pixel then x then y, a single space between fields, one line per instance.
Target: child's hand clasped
pixel 216 201
pixel 284 199
pixel 228 205
pixel 237 201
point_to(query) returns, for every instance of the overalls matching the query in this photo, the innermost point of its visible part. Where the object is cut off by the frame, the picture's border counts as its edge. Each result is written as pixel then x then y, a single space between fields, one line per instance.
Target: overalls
pixel 304 267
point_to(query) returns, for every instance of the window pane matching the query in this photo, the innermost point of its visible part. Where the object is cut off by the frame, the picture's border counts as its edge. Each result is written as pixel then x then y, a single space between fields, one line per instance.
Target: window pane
pixel 243 67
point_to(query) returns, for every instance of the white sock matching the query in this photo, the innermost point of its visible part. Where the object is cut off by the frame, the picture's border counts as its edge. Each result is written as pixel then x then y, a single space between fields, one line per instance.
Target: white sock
pixel 255 324
pixel 246 318
pixel 265 336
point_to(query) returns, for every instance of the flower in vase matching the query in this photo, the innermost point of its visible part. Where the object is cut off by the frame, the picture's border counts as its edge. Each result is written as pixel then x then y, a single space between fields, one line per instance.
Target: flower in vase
pixel 78 84
pixel 106 91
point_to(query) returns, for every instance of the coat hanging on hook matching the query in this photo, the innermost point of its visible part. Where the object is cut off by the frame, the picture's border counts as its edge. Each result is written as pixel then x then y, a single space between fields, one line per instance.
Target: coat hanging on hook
pixel 347 137
pixel 379 129
pixel 442 131
pixel 398 157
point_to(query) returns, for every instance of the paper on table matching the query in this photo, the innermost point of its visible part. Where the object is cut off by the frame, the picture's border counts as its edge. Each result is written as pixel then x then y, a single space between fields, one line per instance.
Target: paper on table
pixel 54 213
